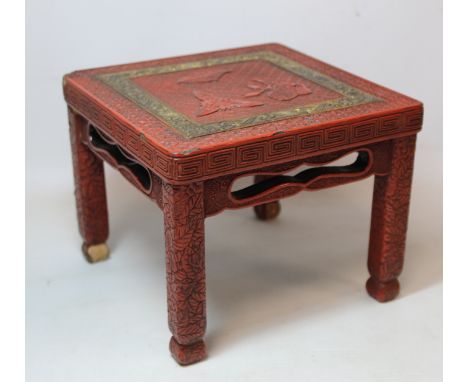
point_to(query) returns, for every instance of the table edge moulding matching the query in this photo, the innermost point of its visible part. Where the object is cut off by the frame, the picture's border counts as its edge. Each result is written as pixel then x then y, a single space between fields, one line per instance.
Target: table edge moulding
pixel 204 159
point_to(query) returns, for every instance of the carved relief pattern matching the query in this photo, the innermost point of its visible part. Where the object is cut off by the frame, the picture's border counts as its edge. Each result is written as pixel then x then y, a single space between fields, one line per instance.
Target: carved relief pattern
pixel 189 187
pixel 389 220
pixel 218 191
pixel 90 190
pixel 210 103
pixel 278 91
pixel 265 152
pixel 185 262
pixel 121 82
pixel 127 165
pixel 213 75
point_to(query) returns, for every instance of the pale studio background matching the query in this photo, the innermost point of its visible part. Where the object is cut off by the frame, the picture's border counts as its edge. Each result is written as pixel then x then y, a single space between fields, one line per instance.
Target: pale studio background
pixel 286 300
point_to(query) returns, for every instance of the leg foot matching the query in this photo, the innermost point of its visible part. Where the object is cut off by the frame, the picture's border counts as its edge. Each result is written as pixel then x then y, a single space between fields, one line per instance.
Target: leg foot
pixel 267 211
pixel 382 292
pixel 187 354
pixel 95 253
pixel 389 221
pixel 90 192
pixel 185 270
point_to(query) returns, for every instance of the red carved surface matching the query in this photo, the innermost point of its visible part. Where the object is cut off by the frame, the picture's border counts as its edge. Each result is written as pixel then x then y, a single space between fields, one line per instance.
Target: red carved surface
pixel 185 207
pixel 90 189
pixel 191 179
pixel 218 191
pixel 389 221
pixel 211 103
pixel 231 85
pixel 207 75
pixel 180 160
pixel 185 269
pixel 124 169
pixel 279 90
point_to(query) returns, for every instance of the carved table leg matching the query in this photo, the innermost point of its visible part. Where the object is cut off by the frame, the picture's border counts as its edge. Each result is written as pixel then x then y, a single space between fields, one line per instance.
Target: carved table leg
pixel 90 193
pixel 389 221
pixel 185 269
pixel 269 210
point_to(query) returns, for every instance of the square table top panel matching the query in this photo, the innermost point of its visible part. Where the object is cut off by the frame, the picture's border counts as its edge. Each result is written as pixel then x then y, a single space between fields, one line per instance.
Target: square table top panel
pixel 190 105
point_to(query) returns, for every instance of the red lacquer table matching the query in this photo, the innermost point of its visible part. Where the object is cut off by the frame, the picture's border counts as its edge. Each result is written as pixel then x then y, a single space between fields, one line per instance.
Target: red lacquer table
pixel 183 129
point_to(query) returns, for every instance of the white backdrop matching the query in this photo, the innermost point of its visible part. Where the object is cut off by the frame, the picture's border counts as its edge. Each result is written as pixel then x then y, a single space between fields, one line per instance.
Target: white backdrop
pixel 319 258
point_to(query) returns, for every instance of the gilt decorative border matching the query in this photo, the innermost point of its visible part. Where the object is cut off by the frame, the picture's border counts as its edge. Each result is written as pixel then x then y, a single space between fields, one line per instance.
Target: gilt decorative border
pixel 121 82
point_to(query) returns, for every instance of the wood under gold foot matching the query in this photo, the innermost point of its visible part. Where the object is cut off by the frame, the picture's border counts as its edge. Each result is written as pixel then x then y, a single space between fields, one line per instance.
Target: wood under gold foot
pixel 383 291
pixel 267 211
pixel 96 253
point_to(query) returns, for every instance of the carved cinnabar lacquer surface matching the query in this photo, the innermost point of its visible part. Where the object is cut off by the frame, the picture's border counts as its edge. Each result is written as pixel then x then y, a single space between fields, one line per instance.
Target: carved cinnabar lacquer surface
pixel 196 117
pixel 184 130
pixel 207 96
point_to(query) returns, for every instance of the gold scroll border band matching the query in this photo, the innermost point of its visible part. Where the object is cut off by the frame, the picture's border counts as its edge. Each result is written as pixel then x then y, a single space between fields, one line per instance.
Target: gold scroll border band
pixel 122 83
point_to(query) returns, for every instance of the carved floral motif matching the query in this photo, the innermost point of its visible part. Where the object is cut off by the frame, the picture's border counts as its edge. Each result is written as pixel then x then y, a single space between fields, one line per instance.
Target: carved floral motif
pixel 210 103
pixel 284 91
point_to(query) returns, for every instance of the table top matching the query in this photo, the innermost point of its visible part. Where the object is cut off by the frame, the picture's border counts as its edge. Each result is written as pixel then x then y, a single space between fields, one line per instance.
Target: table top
pixel 218 102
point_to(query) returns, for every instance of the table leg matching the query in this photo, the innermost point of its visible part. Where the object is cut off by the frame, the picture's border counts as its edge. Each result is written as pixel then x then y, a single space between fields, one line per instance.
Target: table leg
pixel 185 270
pixel 269 210
pixel 90 193
pixel 389 221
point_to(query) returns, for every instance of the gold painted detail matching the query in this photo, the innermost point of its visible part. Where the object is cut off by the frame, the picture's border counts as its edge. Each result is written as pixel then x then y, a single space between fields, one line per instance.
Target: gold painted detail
pixel 122 83
pixel 96 253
